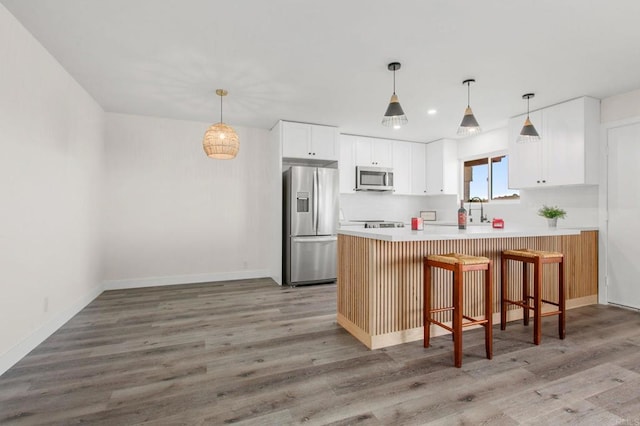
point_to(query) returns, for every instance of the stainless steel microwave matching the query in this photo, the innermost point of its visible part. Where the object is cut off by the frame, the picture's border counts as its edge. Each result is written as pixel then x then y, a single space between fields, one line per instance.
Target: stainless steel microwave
pixel 374 179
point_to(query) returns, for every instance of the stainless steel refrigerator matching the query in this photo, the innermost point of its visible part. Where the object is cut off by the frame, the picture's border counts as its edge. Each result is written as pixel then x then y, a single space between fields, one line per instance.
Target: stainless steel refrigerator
pixel 310 225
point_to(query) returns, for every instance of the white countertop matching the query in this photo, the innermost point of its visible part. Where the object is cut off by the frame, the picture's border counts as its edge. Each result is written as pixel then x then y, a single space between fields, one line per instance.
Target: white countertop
pixel 434 232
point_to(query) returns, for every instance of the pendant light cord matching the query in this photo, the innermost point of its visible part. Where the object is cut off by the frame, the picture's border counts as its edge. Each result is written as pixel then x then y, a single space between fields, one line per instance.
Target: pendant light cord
pixel 394 81
pixel 221 108
pixel 468 94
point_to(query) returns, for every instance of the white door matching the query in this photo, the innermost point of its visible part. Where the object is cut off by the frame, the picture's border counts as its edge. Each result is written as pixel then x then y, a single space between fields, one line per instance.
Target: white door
pixel 623 230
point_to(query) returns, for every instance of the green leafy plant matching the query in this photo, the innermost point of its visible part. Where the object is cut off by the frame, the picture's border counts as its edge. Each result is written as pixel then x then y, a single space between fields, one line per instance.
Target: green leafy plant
pixel 552 212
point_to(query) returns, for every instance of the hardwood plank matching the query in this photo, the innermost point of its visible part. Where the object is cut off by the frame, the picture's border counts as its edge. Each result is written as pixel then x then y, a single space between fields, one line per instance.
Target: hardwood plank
pixel 250 352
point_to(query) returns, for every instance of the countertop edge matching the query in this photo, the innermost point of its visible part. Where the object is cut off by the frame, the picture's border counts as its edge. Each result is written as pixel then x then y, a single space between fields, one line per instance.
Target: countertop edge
pixel 405 234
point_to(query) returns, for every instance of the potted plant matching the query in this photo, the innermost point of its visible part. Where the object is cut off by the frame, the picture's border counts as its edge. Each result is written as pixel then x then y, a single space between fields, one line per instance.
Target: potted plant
pixel 552 214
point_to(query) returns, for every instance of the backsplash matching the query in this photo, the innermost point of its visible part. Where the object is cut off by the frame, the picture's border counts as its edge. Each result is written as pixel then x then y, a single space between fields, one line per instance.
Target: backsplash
pixel 580 202
pixel 381 206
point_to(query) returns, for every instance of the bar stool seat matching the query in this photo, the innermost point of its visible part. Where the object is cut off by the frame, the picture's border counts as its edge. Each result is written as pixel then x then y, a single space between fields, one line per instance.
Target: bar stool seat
pixel 537 258
pixel 458 264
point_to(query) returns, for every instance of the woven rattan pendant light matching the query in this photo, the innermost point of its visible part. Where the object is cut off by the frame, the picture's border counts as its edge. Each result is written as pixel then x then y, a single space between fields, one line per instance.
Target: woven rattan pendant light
pixel 221 141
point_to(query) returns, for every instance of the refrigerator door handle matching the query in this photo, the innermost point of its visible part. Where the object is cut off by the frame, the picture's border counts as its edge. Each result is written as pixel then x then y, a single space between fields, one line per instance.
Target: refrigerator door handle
pixel 327 239
pixel 316 199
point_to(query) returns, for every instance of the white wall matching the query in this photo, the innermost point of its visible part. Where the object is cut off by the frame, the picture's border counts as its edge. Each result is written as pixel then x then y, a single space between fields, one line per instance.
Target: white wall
pixel 51 135
pixel 173 215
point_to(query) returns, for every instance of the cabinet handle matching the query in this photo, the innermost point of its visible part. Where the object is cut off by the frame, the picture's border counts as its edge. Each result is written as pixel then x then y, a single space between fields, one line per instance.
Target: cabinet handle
pixel 544 181
pixel 309 153
pixel 537 181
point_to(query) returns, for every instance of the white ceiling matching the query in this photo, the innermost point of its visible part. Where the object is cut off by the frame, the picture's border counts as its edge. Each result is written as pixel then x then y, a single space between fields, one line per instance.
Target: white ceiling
pixel 326 61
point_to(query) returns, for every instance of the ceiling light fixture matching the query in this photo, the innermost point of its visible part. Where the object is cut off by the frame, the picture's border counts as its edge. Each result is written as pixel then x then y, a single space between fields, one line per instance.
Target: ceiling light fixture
pixel 394 117
pixel 528 132
pixel 221 141
pixel 469 125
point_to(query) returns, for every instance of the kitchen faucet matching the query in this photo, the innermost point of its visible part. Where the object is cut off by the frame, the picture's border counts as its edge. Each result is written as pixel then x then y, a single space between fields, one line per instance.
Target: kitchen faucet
pixel 483 218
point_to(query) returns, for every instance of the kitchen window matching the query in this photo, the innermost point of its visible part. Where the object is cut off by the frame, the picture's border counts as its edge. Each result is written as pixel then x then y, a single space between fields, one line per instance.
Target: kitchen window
pixel 488 179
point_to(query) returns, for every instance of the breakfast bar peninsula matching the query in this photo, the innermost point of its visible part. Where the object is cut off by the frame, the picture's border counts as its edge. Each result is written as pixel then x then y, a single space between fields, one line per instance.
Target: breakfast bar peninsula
pixel 380 274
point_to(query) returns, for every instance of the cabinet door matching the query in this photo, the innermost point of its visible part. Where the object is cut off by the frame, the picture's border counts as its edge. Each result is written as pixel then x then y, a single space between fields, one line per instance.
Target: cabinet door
pixel 564 147
pixel 418 169
pixel 442 167
pixel 296 140
pixel 382 152
pixel 324 143
pixel 525 158
pixel 451 169
pixel 435 168
pixel 373 152
pixel 402 167
pixel 363 152
pixel 347 164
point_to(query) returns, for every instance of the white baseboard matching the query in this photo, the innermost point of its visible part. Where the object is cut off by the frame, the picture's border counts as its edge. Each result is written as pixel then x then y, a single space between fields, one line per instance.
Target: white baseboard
pixel 183 279
pixel 17 352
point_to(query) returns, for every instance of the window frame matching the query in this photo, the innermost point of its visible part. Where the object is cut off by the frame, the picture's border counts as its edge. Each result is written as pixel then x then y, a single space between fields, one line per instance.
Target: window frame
pixel 487 157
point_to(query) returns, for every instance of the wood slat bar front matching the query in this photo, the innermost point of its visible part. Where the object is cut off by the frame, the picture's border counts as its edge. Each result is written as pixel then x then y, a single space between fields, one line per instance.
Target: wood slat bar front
pixel 380 282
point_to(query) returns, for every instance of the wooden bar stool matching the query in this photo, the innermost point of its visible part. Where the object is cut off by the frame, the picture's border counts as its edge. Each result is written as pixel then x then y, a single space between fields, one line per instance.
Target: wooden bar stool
pixel 458 264
pixel 538 259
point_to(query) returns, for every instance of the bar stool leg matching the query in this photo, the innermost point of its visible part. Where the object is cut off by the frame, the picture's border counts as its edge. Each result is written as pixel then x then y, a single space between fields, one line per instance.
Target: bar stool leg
pixel 537 301
pixel 525 292
pixel 561 299
pixel 503 293
pixel 488 311
pixel 426 311
pixel 457 315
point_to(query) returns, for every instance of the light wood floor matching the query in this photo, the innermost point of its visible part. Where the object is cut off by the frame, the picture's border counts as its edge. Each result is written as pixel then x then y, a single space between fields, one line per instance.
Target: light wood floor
pixel 253 353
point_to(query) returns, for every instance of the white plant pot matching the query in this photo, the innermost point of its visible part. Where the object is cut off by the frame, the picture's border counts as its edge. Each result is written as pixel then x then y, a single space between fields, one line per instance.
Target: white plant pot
pixel 553 222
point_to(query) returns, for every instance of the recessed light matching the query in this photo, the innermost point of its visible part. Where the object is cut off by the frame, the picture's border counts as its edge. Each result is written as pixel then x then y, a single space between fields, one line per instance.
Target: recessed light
pixel 432 111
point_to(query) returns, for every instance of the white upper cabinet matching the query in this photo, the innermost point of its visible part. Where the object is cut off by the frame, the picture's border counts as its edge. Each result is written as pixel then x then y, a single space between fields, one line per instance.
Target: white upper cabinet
pixel 373 152
pixel 418 169
pixel 309 141
pixel 347 164
pixel 402 167
pixel 566 154
pixel 442 167
pixel 525 159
